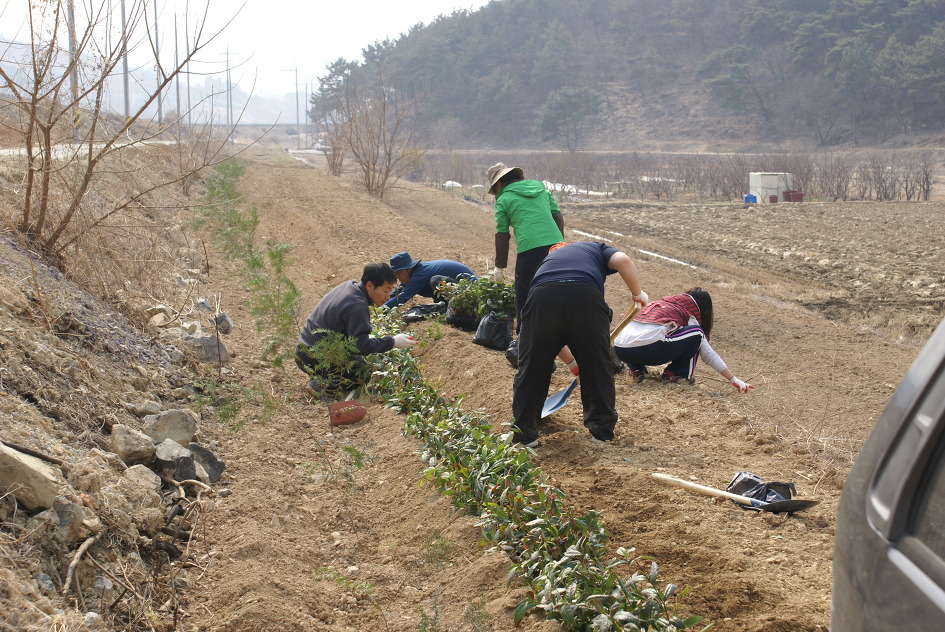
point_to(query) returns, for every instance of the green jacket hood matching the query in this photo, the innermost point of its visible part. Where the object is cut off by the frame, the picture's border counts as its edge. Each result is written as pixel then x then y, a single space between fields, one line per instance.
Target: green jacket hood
pixel 524 188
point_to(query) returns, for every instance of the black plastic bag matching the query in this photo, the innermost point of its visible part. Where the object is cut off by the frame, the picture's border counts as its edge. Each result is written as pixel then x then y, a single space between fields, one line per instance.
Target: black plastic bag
pixel 494 331
pixel 511 354
pixel 422 312
pixel 753 486
pixel 465 322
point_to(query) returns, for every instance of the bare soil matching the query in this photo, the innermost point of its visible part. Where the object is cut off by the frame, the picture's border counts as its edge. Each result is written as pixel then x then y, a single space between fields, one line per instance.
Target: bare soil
pixel 821 305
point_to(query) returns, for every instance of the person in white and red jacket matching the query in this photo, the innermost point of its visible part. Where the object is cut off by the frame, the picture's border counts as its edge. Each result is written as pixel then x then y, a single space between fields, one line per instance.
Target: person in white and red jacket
pixel 673 329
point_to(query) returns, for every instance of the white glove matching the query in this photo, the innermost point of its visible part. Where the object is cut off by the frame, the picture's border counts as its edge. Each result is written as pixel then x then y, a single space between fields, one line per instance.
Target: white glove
pixel 740 385
pixel 498 274
pixel 403 341
pixel 574 367
pixel 641 298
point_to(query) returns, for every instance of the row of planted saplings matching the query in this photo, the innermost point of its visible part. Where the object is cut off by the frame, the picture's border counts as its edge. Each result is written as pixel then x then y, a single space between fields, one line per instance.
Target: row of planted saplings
pixel 559 556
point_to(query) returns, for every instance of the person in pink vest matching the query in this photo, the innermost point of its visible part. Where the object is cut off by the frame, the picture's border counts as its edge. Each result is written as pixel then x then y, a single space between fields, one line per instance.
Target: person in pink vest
pixel 673 329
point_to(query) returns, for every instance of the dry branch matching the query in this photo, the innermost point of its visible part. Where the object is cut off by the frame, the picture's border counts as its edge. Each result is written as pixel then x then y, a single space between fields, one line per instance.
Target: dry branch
pixel 75 562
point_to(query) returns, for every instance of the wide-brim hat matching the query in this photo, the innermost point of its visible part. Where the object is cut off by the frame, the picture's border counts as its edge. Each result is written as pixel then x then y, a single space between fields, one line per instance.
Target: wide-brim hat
pixel 402 261
pixel 497 171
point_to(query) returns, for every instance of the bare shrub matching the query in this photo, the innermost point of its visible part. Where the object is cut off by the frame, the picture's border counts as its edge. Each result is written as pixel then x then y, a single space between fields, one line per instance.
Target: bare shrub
pixel 836 175
pixel 76 179
pixel 377 127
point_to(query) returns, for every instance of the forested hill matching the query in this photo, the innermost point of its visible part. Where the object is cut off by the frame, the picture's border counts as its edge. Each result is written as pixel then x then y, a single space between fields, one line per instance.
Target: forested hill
pixel 618 73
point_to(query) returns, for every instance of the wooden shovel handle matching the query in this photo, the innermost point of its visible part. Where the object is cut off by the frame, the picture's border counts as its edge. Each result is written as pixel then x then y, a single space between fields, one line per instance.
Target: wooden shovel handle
pixel 702 489
pixel 626 321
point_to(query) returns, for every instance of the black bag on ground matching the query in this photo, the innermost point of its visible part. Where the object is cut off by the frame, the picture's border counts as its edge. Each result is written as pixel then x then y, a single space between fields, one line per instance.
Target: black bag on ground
pixel 494 331
pixel 463 321
pixel 511 354
pixel 753 486
pixel 422 312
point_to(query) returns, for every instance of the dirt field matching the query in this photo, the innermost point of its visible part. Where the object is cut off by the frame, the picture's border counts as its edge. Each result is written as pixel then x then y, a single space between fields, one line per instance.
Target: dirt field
pixel 821 306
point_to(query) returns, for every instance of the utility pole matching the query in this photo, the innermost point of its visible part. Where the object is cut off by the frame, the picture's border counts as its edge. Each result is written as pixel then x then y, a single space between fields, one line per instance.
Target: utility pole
pixel 176 73
pixel 229 91
pixel 124 55
pixel 298 121
pixel 187 46
pixel 74 75
pixel 157 68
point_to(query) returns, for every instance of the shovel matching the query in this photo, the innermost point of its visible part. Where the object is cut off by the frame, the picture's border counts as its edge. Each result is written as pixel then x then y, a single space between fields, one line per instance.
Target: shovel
pixel 559 399
pixel 780 506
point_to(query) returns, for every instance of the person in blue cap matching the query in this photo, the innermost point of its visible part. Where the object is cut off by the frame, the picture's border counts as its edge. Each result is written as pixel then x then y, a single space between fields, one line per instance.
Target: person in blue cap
pixel 422 278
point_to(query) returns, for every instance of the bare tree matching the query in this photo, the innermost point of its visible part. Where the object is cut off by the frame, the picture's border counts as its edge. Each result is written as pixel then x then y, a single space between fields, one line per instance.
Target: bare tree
pixel 335 145
pixel 376 125
pixel 72 139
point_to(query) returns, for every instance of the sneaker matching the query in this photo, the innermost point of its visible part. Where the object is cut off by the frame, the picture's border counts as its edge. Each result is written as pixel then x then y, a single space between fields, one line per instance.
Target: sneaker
pixel 527 444
pixel 638 375
pixel 314 388
pixel 669 376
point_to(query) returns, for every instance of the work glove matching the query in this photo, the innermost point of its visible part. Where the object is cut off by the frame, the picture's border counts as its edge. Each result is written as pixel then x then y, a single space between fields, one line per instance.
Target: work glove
pixel 740 385
pixel 403 341
pixel 641 298
pixel 572 365
pixel 498 275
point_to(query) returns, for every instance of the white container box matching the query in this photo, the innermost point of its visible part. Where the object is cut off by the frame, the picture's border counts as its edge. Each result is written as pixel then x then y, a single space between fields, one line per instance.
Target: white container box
pixel 763 185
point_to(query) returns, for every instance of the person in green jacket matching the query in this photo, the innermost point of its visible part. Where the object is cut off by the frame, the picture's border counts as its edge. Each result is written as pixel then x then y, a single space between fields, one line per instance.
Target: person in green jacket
pixel 529 208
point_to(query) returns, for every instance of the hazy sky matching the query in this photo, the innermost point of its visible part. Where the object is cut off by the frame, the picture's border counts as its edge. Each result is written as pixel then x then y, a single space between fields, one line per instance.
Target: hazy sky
pixel 273 38
pixel 279 36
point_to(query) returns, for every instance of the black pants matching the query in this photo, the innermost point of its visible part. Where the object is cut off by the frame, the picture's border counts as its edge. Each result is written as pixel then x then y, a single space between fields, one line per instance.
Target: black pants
pixel 680 349
pixel 526 264
pixel 558 314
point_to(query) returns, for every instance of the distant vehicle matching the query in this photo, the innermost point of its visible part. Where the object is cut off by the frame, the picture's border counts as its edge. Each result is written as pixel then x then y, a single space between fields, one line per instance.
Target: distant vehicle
pixel 889 560
pixel 320 146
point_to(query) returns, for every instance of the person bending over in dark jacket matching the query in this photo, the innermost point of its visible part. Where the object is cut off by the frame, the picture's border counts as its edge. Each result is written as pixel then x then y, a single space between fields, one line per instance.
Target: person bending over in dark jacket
pixel 347 310
pixel 566 307
pixel 418 277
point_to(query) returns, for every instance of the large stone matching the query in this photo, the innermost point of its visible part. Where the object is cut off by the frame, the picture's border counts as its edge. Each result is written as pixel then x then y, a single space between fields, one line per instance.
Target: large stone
pixel 145 407
pixel 214 466
pixel 167 310
pixel 31 481
pixel 133 446
pixel 163 321
pixel 143 476
pixel 223 323
pixel 179 425
pixel 175 461
pixel 207 348
pixel 13 300
pixel 75 520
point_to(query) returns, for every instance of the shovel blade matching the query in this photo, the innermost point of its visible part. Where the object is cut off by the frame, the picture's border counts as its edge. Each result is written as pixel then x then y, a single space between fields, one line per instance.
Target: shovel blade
pixel 558 400
pixel 786 506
